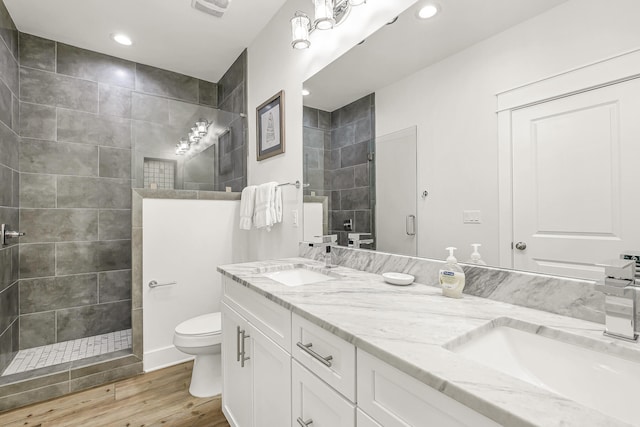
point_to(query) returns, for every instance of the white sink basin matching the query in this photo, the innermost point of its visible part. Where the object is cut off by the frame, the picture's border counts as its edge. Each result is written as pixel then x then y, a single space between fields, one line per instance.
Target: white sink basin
pixel 597 380
pixel 298 276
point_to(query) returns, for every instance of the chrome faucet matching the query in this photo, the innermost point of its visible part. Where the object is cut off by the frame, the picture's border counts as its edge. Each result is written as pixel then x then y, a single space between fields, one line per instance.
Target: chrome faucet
pixel 6 234
pixel 619 287
pixel 355 240
pixel 326 242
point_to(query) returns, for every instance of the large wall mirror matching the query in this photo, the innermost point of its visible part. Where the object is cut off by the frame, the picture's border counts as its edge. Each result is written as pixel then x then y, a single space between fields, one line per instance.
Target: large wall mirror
pixel 404 148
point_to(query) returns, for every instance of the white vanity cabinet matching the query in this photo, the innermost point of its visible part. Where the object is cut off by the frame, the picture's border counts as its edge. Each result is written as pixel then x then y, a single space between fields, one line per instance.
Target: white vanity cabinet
pixel 256 371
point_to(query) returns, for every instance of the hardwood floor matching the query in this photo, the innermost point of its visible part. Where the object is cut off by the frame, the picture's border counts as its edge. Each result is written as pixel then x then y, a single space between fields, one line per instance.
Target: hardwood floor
pixel 160 398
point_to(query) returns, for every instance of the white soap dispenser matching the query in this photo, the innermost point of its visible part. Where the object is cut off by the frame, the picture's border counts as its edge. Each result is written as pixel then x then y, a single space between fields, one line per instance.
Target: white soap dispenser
pixel 452 277
pixel 475 255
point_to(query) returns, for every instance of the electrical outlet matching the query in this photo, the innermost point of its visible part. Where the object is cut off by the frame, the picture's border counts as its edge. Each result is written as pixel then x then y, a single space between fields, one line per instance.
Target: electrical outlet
pixel 471 217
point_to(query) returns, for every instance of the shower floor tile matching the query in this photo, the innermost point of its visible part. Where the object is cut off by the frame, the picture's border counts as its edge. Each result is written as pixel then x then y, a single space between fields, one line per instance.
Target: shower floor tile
pixel 68 351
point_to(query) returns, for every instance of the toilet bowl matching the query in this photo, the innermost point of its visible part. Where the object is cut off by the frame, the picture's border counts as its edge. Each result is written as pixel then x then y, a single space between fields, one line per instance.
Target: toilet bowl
pixel 201 336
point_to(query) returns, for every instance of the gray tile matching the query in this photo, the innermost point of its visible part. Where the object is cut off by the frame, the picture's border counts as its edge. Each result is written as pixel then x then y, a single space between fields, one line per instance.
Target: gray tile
pixel 40 156
pixel 114 255
pixel 15 118
pixel 37 260
pixel 9 69
pixel 236 102
pixel 11 217
pixel 114 193
pixel 90 65
pixel 42 87
pixel 310 117
pixel 8 306
pixel 105 362
pixel 114 101
pixel 86 128
pixel 335 201
pixel 37 329
pixel 166 83
pixel 6 349
pixel 150 108
pixel 15 263
pixel 92 320
pixel 363 222
pixel 343 136
pixel 364 130
pixel 207 93
pixel 136 209
pixel 36 52
pixel 6 105
pixel 356 199
pixel 315 179
pixel 16 189
pixel 37 121
pixel 40 377
pixel 332 159
pixel 8 30
pixel 78 192
pixel 54 293
pixel 114 286
pixel 313 158
pixel 337 219
pixel 58 225
pixel 235 76
pixel 356 154
pixel 313 138
pixel 114 224
pixel 115 163
pixel 6 186
pixel 342 179
pixel 9 147
pixel 5 269
pixel 38 395
pixel 361 173
pixel 136 267
pixel 104 377
pixel 75 258
pixel 136 332
pixel 355 111
pixel 324 120
pixel 37 191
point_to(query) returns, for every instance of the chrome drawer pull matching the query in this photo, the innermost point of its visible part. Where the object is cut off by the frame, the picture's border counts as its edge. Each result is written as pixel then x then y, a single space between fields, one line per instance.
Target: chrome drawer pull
pixel 243 358
pixel 307 349
pixel 304 423
pixel 238 352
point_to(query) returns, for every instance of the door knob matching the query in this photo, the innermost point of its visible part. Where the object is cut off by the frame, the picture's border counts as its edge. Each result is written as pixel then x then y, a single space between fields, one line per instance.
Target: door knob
pixel 521 246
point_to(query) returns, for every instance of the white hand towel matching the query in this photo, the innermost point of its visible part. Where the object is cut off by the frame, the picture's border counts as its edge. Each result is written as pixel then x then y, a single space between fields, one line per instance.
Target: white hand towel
pixel 277 204
pixel 262 217
pixel 247 204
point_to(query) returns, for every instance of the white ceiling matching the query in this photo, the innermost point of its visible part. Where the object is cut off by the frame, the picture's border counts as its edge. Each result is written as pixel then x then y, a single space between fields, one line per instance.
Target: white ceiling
pixel 398 50
pixel 168 34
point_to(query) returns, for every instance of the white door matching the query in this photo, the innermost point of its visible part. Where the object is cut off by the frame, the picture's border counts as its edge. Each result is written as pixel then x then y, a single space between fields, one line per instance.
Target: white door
pixel 576 169
pixel 271 382
pixel 396 192
pixel 237 404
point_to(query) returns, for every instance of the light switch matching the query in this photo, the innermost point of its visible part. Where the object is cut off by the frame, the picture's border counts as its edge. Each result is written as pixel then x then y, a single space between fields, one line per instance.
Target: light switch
pixel 228 189
pixel 294 215
pixel 471 217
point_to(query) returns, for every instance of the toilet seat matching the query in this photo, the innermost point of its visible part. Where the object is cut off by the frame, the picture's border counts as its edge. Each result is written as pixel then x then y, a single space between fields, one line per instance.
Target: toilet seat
pixel 207 324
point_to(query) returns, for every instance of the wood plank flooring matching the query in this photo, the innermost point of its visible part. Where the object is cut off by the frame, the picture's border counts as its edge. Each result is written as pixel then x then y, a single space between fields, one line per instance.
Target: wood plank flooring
pixel 159 398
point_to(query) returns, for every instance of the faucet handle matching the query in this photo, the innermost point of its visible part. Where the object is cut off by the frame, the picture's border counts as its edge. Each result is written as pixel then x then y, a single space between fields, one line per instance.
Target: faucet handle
pixel 621 269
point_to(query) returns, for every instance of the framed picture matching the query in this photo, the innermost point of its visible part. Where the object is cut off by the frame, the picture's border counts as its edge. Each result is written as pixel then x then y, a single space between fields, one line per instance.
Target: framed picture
pixel 270 123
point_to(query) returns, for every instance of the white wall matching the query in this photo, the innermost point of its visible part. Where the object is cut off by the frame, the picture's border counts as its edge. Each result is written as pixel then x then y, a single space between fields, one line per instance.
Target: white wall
pixel 453 104
pixel 184 241
pixel 274 66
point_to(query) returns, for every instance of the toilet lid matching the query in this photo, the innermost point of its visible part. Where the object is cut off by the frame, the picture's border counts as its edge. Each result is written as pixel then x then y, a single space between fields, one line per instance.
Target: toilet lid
pixel 207 324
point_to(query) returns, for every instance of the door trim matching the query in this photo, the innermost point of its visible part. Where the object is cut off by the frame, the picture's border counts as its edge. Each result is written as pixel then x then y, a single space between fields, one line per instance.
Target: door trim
pixel 606 72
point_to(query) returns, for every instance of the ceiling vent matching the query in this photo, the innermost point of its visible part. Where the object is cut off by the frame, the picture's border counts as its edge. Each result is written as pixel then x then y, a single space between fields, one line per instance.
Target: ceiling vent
pixel 216 8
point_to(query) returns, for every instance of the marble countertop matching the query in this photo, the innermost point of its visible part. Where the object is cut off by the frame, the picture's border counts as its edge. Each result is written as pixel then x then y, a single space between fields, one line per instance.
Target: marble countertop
pixel 410 327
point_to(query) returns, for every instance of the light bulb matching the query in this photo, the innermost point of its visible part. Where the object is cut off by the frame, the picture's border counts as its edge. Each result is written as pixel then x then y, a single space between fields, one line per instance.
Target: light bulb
pixel 324 19
pixel 300 25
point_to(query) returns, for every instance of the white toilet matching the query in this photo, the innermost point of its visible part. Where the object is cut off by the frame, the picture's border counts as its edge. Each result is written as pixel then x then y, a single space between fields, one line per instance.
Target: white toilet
pixel 201 336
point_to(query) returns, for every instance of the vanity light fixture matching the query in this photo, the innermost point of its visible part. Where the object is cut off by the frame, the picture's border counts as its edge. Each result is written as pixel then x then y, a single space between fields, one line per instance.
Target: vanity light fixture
pixel 122 39
pixel 305 92
pixel 182 146
pixel 428 11
pixel 203 126
pixel 328 14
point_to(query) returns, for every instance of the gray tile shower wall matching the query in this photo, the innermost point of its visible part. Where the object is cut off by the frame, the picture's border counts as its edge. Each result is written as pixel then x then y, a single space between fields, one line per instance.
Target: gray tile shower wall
pixel 84 119
pixel 232 153
pixel 9 186
pixel 337 165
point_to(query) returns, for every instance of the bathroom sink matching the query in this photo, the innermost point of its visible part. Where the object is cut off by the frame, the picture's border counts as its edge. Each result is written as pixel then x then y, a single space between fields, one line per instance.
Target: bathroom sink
pixel 595 379
pixel 298 275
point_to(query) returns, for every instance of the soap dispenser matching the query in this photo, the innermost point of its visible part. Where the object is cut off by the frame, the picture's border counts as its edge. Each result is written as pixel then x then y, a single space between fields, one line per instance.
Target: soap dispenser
pixel 475 255
pixel 452 277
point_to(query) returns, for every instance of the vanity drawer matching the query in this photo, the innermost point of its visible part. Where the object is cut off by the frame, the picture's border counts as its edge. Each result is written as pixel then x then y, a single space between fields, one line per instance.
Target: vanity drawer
pixel 271 319
pixel 315 404
pixel 329 357
pixel 394 399
pixel 363 420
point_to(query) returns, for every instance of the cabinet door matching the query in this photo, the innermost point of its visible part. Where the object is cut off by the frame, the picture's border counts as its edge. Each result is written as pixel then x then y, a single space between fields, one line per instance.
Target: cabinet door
pixel 236 379
pixel 315 404
pixel 271 367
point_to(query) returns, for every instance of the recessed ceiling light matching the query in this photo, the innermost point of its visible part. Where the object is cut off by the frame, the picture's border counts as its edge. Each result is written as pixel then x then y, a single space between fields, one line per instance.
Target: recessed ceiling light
pixel 122 39
pixel 428 11
pixel 305 92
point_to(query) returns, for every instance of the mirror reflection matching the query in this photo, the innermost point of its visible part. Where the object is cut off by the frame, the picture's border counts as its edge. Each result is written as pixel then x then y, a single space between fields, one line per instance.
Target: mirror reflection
pixel 442 78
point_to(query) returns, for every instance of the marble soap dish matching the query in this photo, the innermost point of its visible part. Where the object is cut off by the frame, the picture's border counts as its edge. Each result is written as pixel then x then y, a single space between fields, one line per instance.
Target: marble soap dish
pixel 398 278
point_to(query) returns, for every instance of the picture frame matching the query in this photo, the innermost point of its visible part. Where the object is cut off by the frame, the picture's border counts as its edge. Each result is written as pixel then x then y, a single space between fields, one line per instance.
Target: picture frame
pixel 270 127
